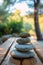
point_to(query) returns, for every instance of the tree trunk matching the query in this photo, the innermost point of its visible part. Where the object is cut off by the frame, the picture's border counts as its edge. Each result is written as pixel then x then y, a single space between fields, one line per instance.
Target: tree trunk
pixel 36 23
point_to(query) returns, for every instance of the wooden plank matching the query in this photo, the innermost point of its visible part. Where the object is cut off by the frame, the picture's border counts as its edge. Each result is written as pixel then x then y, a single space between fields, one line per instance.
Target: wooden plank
pixel 4 48
pixel 40 43
pixel 31 61
pixel 39 49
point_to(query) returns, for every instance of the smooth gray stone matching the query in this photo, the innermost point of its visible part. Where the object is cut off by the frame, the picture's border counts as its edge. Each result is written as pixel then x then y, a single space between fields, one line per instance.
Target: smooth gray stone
pixel 23 40
pixel 24 48
pixel 24 35
pixel 5 37
pixel 17 54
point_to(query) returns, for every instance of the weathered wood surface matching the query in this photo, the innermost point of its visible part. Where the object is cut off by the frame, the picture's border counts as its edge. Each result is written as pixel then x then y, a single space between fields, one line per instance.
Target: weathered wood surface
pixel 40 43
pixel 10 61
pixel 39 49
pixel 4 48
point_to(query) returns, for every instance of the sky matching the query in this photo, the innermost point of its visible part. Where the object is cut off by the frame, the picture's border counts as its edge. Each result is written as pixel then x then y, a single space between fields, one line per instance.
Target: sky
pixel 23 5
pixel 1 1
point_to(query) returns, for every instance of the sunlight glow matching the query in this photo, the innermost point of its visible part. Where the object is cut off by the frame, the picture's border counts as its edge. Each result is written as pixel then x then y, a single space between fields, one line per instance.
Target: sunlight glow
pixel 1 2
pixel 23 7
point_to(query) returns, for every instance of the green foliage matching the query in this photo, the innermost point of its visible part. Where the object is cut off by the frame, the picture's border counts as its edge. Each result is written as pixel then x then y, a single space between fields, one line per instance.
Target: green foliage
pixel 12 27
pixel 0 34
pixel 3 26
pixel 3 14
pixel 15 26
pixel 8 2
pixel 27 27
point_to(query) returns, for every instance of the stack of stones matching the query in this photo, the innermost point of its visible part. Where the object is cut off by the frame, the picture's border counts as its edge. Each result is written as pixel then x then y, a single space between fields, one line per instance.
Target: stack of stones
pixel 23 48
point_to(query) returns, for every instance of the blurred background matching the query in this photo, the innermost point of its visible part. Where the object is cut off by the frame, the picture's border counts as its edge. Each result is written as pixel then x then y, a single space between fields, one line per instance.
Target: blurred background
pixel 17 16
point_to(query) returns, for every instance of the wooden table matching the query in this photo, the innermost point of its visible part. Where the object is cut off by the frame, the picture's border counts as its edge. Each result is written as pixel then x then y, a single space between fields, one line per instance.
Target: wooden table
pixel 6 58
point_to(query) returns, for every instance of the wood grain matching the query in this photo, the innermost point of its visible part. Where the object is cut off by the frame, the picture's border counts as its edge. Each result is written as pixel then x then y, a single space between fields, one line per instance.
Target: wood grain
pixel 4 48
pixel 31 61
pixel 39 49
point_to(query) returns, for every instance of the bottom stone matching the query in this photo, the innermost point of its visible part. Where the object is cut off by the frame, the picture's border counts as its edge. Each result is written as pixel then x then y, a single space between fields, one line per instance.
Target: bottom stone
pixel 17 54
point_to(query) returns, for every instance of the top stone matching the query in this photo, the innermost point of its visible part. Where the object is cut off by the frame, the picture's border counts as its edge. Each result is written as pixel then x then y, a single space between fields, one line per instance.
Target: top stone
pixel 24 35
